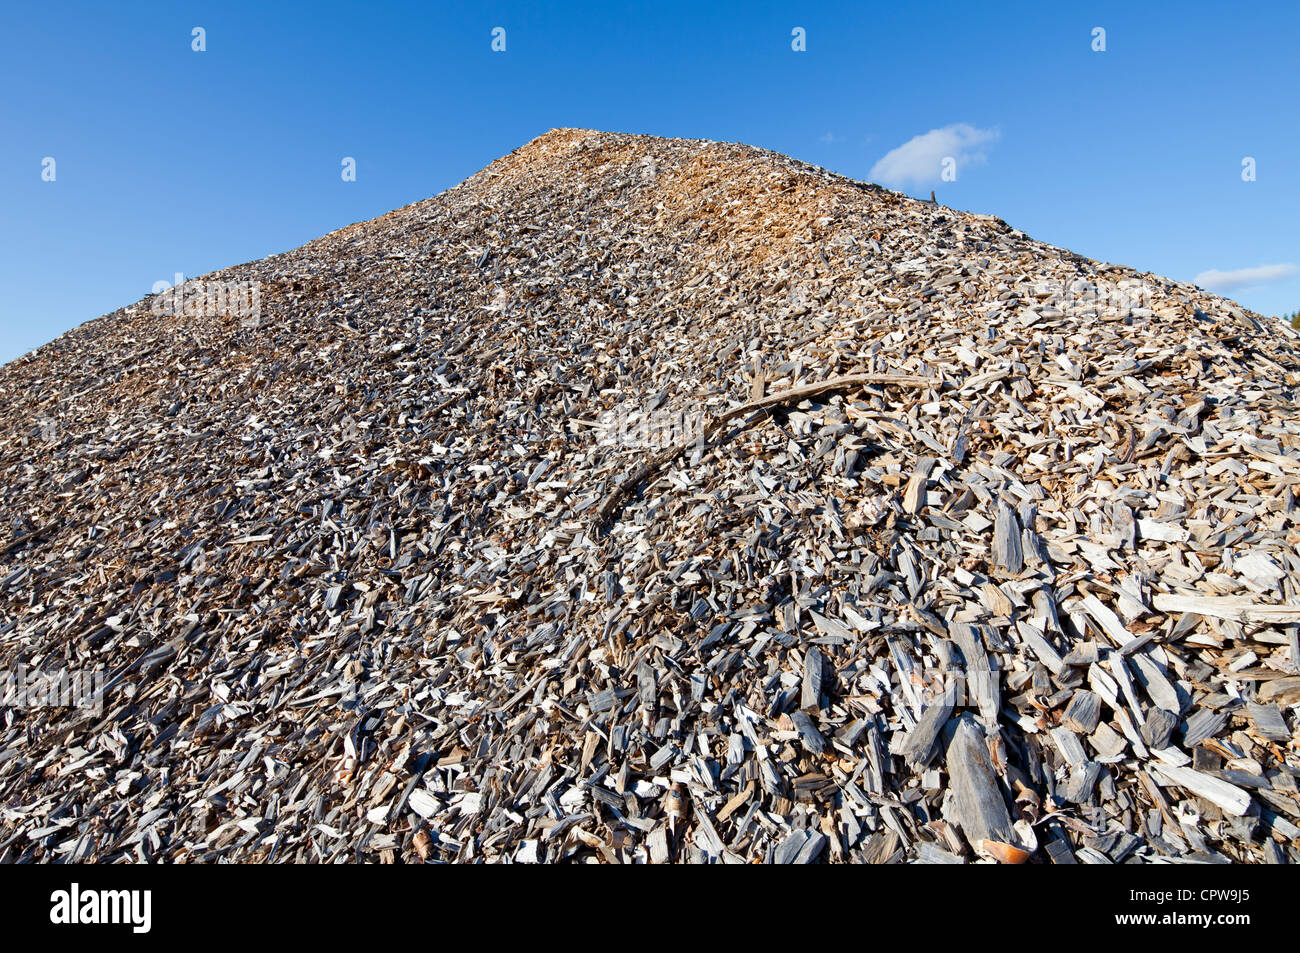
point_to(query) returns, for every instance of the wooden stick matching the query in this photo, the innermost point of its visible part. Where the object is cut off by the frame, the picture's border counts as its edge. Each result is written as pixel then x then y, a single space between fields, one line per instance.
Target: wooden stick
pixel 793 395
pixel 20 541
pixel 1234 608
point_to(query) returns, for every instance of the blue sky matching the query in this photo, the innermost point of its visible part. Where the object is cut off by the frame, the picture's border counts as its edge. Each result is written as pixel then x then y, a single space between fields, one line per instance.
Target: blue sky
pixel 169 160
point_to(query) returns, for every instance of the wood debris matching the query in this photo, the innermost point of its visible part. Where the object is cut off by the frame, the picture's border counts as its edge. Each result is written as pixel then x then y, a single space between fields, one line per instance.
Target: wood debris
pixel 647 501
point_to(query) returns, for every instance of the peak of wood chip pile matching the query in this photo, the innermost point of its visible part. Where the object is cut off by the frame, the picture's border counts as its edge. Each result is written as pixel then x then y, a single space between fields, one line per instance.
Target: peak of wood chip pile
pixel 645 500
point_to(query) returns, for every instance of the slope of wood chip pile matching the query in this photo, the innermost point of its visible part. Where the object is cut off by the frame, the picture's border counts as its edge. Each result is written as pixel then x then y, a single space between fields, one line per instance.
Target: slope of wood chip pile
pixel 1010 574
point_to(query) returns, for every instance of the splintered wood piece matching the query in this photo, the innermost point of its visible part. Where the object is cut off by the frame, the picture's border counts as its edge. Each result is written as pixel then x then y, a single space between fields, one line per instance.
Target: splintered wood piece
pixel 1268 721
pixel 808 733
pixel 1007 552
pixel 1281 691
pixel 1235 608
pixel 914 496
pixel 980 810
pixel 1158 728
pixel 916 746
pixel 1108 620
pixel 813 670
pixel 1083 713
pixel 1228 797
pixel 1201 725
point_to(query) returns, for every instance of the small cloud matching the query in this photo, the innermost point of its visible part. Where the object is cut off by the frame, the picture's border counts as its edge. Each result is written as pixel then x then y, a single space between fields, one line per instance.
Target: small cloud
pixel 1216 280
pixel 919 161
pixel 830 138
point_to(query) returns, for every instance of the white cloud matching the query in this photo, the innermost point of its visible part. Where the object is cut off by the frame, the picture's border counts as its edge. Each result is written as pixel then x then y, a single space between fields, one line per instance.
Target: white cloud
pixel 919 161
pixel 830 138
pixel 1216 280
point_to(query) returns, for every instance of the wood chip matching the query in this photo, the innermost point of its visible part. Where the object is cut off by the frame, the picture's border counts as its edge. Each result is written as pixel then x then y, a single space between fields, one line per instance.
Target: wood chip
pixel 979 808
pixel 1229 797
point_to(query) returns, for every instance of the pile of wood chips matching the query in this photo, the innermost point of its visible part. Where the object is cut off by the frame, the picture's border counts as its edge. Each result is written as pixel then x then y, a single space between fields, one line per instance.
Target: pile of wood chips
pixel 644 500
